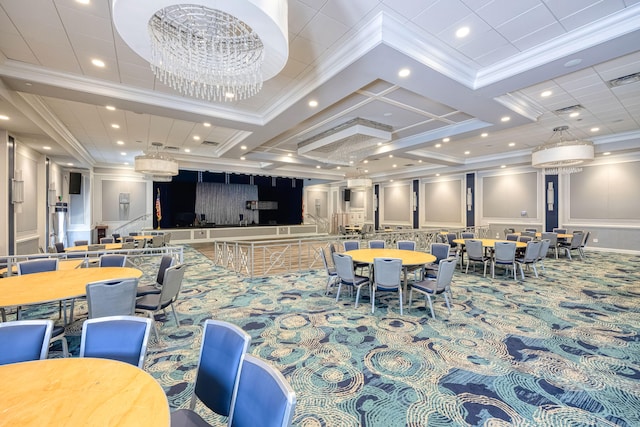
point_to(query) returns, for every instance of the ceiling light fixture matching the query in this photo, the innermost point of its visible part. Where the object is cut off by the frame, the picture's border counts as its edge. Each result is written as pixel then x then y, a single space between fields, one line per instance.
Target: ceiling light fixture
pixel 405 72
pixel 313 103
pixel 155 163
pixel 463 32
pixel 560 155
pixel 359 181
pixel 546 93
pixel 98 63
pixel 204 52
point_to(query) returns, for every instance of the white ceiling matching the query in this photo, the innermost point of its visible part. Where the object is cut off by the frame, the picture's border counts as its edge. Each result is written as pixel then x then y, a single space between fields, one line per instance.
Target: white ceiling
pixel 345 54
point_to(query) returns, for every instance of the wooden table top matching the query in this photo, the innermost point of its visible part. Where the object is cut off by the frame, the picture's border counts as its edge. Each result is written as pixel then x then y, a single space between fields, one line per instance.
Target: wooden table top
pixel 489 243
pixel 81 392
pixel 56 285
pixel 84 248
pixel 63 264
pixel 407 257
pixel 560 236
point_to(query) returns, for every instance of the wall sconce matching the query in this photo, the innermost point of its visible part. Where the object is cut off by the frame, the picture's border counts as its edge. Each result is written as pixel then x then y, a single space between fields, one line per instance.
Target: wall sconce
pixel 550 196
pixel 52 194
pixel 17 191
pixel 469 199
pixel 415 201
pixel 375 202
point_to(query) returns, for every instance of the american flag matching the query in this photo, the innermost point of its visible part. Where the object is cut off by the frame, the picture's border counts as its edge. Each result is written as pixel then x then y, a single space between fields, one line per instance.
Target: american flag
pixel 158 208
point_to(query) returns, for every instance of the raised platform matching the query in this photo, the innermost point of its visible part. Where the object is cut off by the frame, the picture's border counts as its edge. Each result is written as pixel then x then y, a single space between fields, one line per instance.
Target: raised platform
pixel 209 234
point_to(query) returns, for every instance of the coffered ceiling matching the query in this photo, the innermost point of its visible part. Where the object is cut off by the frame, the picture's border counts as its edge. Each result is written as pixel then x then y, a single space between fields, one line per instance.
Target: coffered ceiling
pixel 448 115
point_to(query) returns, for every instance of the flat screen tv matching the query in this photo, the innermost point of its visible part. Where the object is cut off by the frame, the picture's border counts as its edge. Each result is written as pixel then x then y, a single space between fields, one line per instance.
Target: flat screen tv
pixel 75 183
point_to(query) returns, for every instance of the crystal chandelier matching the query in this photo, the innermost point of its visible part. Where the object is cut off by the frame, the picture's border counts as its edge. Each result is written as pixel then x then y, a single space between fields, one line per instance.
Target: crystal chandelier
pixel 156 164
pixel 560 155
pixel 217 51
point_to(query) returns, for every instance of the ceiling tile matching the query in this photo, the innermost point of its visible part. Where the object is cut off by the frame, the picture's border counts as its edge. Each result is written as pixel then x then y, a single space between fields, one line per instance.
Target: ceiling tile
pixel 528 23
pixel 349 12
pixel 540 36
pixel 497 12
pixel 299 15
pixel 408 8
pixel 439 16
pixel 323 30
pixel 592 13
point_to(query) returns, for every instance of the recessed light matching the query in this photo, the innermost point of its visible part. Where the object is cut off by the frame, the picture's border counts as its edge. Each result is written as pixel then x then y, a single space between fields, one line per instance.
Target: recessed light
pixel 242 158
pixel 546 93
pixel 97 62
pixel 126 163
pixel 484 135
pixel 437 174
pixel 196 138
pixel 379 144
pixel 317 166
pixel 365 161
pixel 574 114
pixel 350 162
pixel 3 117
pixel 503 166
pixel 83 1
pixel 606 153
pixel 338 168
pixel 467 152
pixel 110 108
pixel 115 126
pixel 69 164
pixel 388 114
pixel 404 72
pixel 46 147
pixel 573 62
pixel 122 153
pixel 229 95
pixel 366 171
pixel 390 180
pixel 390 156
pixel 289 155
pixel 594 129
pixel 120 142
pixel 187 150
pixel 243 147
pixel 313 103
pixel 438 145
pixel 462 32
pixel 207 124
pixel 505 119
pixel 419 161
pixel 28 84
pixel 446 139
pixel 395 166
pixel 512 144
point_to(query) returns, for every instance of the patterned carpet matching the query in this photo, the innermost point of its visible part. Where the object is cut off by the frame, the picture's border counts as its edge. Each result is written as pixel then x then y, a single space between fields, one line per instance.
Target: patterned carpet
pixel 561 350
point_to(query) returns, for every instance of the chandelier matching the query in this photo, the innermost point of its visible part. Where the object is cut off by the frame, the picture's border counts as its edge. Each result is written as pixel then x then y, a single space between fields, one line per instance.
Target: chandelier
pixel 359 181
pixel 217 54
pixel 560 155
pixel 156 164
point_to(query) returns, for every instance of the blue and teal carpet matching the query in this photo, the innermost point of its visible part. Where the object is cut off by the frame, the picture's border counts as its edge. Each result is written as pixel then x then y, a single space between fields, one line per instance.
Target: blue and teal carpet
pixel 561 350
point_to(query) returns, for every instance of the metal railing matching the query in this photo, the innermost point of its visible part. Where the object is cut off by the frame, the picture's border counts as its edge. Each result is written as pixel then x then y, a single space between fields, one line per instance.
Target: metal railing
pixel 137 224
pixel 269 257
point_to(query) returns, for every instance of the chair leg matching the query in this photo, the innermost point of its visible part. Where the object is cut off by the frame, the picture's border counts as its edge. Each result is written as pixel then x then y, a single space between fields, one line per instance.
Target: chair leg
pixel 493 270
pixel 521 272
pixel 430 306
pixel 65 347
pixel 338 293
pixel 153 323
pixel 535 270
pixel 175 316
pixel 410 295
pixel 400 298
pixel 357 296
pixel 446 300
pixel 373 299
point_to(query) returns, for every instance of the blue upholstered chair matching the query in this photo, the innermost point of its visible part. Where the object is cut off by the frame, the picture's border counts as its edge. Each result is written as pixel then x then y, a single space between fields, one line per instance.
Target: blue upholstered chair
pixel 222 352
pixel 387 278
pixel 24 340
pixel 151 303
pixel 350 245
pixel 113 260
pixel 530 257
pixel 105 240
pixel 165 262
pixel 112 297
pixel 440 285
pixel 475 254
pixel 332 275
pixel 264 398
pixel 122 338
pixel 347 275
pixel 406 245
pixel 504 253
pixel 37 266
pixel 376 244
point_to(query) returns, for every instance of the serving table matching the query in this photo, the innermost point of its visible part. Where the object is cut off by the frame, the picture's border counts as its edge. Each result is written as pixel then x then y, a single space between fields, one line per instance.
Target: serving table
pixel 81 392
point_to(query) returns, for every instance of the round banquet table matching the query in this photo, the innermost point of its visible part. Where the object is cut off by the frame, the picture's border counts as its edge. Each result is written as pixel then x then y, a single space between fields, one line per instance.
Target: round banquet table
pixel 85 248
pixel 409 259
pixel 63 264
pixel 56 285
pixel 81 392
pixel 489 243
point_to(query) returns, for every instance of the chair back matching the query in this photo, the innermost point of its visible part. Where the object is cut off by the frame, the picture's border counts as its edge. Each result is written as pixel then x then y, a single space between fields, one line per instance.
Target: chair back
pixel 112 297
pixel 116 236
pixel 446 268
pixel 560 230
pixel 129 239
pixel 165 262
pixel 406 245
pixel 324 261
pixel 551 237
pixel 525 239
pixel 350 245
pixel 450 238
pixel 441 238
pixel 113 260
pixel 59 247
pixel 531 234
pixel 166 239
pixel 94 248
pixel 171 284
pixel 512 237
pixel 585 240
pixel 129 245
pixel 467 235
pixel 122 338
pixel 440 251
pixel 80 243
pixel 388 272
pixel 474 249
pixel 532 252
pixel 37 266
pixel 264 398
pixel 376 244
pixel 134 233
pixel 576 240
pixel 344 267
pixel 531 230
pixel 509 231
pixel 24 340
pixel 342 230
pixel 222 352
pixel 505 252
pixel 157 241
pixel 105 240
pixel 544 248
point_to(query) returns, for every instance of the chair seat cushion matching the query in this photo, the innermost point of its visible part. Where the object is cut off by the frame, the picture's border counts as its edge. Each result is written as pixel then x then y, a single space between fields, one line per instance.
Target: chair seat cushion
pixel 186 418
pixel 57 331
pixel 148 302
pixel 147 289
pixel 427 286
pixel 358 280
